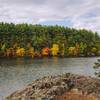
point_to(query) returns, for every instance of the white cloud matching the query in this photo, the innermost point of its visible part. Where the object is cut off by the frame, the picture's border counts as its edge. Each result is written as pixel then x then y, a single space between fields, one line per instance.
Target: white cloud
pixel 81 13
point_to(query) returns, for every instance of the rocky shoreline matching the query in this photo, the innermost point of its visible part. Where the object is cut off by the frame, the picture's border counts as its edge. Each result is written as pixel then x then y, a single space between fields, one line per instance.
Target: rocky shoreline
pixel 51 87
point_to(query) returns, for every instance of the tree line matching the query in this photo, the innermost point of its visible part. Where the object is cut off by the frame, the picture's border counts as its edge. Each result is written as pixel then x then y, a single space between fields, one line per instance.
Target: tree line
pixel 18 40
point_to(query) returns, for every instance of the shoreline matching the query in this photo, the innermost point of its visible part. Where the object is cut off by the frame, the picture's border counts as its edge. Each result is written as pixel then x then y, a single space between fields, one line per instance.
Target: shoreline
pixel 48 57
pixel 51 87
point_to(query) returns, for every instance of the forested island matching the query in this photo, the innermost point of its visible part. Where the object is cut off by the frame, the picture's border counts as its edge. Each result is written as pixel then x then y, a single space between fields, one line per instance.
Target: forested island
pixel 27 40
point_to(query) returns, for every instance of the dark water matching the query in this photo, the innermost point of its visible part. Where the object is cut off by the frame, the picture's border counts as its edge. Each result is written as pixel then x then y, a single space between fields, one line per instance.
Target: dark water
pixel 17 73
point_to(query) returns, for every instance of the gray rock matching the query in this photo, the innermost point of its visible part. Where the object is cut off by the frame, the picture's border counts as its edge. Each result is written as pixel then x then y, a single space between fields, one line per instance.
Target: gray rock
pixel 48 88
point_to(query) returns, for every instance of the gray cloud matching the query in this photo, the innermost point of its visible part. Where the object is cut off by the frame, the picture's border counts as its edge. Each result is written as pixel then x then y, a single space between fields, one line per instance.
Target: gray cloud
pixel 23 2
pixel 81 13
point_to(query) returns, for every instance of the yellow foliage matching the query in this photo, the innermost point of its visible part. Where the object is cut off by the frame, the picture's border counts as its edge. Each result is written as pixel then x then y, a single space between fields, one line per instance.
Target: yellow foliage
pixel 62 50
pixel 77 46
pixel 73 51
pixel 55 49
pixel 20 51
pixel 31 52
pixel 93 50
pixel 98 53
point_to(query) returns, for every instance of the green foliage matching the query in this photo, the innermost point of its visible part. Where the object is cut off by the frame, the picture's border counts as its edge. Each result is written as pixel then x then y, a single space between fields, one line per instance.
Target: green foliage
pixel 45 36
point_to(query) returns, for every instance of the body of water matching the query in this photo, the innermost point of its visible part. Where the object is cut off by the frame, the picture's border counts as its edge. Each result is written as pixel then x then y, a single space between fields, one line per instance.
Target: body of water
pixel 17 73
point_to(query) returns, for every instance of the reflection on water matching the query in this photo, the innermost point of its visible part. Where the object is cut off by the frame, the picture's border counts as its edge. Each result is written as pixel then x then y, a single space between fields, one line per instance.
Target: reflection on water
pixel 16 73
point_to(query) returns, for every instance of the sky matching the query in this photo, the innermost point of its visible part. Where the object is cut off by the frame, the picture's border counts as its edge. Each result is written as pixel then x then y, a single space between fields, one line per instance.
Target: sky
pixel 71 13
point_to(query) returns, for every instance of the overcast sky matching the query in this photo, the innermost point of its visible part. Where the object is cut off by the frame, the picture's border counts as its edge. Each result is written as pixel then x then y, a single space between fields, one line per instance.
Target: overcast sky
pixel 71 13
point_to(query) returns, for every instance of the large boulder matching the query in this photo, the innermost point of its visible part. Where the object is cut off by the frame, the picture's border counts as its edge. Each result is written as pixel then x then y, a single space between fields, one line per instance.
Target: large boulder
pixel 49 88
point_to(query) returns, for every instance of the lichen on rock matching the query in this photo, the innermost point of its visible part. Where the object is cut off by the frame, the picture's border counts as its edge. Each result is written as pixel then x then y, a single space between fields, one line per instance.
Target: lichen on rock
pixel 51 87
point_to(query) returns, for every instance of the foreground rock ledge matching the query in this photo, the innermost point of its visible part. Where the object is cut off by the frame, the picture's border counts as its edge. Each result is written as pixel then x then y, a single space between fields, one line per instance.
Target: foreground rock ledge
pixel 55 87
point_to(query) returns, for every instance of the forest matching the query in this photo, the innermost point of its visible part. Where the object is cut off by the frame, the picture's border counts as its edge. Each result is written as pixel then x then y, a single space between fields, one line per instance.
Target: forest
pixel 27 40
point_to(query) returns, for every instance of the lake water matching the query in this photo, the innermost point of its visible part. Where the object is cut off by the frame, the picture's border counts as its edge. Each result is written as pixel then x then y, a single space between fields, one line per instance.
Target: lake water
pixel 17 73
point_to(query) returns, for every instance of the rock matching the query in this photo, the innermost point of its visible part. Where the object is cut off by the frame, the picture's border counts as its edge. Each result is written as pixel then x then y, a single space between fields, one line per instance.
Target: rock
pixel 48 88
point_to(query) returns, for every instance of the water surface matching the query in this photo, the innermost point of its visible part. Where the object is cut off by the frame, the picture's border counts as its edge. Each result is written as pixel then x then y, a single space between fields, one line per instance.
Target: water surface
pixel 17 73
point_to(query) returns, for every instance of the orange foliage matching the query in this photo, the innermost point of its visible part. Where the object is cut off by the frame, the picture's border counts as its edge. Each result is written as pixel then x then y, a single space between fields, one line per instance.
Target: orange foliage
pixel 45 51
